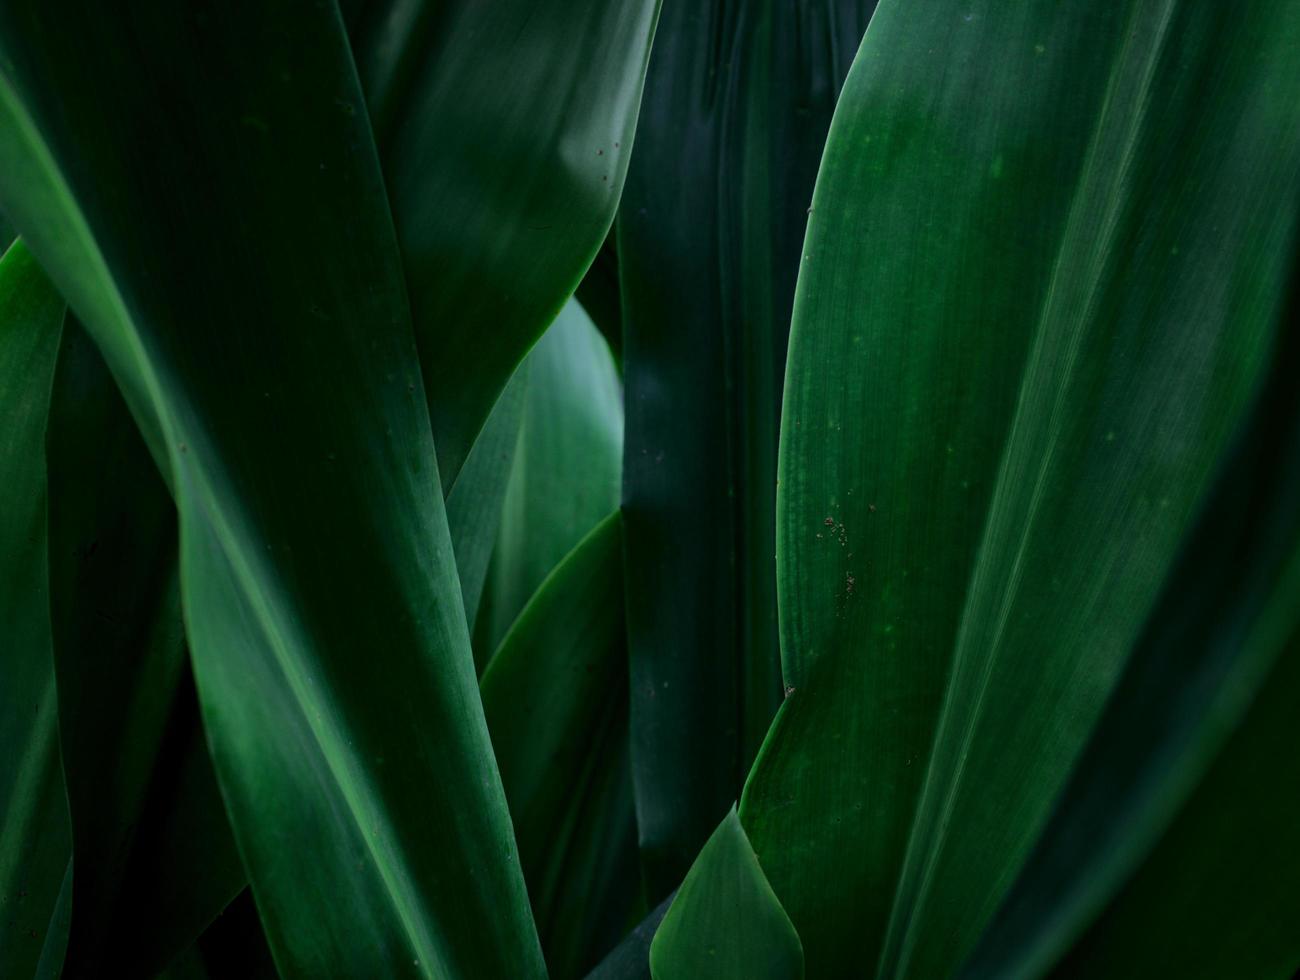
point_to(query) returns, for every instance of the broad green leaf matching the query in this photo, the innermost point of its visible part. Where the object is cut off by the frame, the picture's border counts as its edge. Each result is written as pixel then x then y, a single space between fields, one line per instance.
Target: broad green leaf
pixel 565 478
pixel 1045 259
pixel 726 923
pixel 505 130
pixel 555 695
pixel 630 959
pixel 154 859
pixel 476 497
pixel 35 842
pixel 217 219
pixel 737 103
pixel 1173 849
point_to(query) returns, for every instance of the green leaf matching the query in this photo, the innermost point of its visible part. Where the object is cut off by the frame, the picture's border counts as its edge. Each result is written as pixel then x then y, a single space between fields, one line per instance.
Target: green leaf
pixel 555 695
pixel 477 496
pixel 737 103
pixel 217 219
pixel 154 859
pixel 565 478
pixel 1045 259
pixel 505 130
pixel 35 842
pixel 726 922
pixel 630 959
pixel 1172 849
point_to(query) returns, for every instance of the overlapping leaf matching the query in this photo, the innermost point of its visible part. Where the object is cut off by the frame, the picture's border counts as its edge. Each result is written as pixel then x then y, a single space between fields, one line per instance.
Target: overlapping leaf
pixel 1043 267
pixel 725 922
pixel 565 477
pixel 35 842
pixel 737 103
pixel 217 219
pixel 154 860
pixel 1172 850
pixel 505 130
pixel 555 695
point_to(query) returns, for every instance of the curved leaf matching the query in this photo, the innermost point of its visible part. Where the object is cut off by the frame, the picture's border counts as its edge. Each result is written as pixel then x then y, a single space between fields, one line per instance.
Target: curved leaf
pixel 1044 263
pixel 1179 814
pixel 725 922
pixel 477 496
pixel 555 695
pixel 154 860
pixel 737 103
pixel 34 839
pixel 565 477
pixel 218 221
pixel 630 959
pixel 505 130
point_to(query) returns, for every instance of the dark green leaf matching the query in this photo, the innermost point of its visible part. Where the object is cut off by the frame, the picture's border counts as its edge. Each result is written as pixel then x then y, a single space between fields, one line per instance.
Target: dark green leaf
pixel 737 102
pixel 630 959
pixel 505 130
pixel 1181 811
pixel 1044 264
pixel 725 922
pixel 217 219
pixel 555 695
pixel 35 844
pixel 154 859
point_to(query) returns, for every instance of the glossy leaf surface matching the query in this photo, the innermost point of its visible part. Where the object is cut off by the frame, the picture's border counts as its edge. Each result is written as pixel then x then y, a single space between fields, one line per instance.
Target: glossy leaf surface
pixel 737 103
pixel 35 842
pixel 217 219
pixel 1044 263
pixel 505 130
pixel 565 478
pixel 555 695
pixel 725 922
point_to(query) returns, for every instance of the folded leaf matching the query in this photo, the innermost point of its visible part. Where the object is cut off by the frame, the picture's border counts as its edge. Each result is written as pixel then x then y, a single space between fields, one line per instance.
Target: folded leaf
pixel 555 695
pixel 35 843
pixel 1043 267
pixel 725 922
pixel 505 130
pixel 737 103
pixel 217 219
